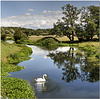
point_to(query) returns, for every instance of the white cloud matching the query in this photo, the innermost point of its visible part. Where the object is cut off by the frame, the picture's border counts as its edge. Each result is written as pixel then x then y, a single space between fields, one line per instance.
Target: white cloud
pixel 43 20
pixel 27 14
pixel 31 10
pixel 51 12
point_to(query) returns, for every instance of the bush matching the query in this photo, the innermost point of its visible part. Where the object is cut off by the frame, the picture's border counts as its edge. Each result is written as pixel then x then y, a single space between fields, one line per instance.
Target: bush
pixel 6 68
pixel 49 43
pixel 3 36
pixel 20 37
pixel 16 88
pixel 97 55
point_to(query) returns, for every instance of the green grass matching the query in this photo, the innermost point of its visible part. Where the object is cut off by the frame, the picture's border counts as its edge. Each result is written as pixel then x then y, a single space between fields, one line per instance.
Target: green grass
pixel 14 87
pixel 91 50
pixel 8 49
pixel 20 56
pixel 66 44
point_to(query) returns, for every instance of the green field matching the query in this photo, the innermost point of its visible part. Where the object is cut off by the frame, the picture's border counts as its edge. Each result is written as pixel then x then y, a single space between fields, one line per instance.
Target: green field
pixel 63 38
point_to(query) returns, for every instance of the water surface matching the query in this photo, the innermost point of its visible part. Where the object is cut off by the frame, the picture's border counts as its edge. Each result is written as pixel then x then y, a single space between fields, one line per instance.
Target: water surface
pixel 69 73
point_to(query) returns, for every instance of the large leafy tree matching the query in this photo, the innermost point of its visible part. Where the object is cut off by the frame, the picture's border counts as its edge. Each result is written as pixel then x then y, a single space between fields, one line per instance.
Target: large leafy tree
pixel 58 29
pixel 71 15
pixel 94 15
pixel 19 36
pixel 83 23
pixel 80 26
pixel 90 30
pixel 67 25
pixel 88 26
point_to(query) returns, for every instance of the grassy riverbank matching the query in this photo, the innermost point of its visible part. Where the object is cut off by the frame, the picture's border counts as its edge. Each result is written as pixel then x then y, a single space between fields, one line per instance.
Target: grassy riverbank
pixel 91 50
pixel 13 87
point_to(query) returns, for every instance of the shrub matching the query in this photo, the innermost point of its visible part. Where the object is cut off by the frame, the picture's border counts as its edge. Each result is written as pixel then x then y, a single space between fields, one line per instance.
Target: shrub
pixel 6 68
pixel 49 43
pixel 3 36
pixel 97 55
pixel 16 88
pixel 20 37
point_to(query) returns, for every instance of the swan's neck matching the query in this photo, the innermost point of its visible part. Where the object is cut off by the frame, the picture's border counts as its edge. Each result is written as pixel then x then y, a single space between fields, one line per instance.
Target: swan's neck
pixel 43 77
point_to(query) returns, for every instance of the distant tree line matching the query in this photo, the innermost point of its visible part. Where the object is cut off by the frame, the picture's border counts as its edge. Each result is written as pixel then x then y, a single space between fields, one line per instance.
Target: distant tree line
pixel 18 33
pixel 9 31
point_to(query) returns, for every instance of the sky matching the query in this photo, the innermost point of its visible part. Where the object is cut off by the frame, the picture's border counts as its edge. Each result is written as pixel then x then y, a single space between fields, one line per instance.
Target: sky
pixel 35 14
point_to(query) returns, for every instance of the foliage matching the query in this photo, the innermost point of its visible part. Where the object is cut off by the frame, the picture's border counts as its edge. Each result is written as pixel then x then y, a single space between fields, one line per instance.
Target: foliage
pixel 3 36
pixel 88 26
pixel 71 15
pixel 84 27
pixel 91 49
pixel 58 29
pixel 94 15
pixel 10 31
pixel 19 36
pixel 80 33
pixel 90 30
pixel 48 43
pixel 97 55
pixel 6 68
pixel 67 26
pixel 15 88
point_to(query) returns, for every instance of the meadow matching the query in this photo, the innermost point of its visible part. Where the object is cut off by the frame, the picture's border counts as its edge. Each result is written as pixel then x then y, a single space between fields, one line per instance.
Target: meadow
pixel 63 38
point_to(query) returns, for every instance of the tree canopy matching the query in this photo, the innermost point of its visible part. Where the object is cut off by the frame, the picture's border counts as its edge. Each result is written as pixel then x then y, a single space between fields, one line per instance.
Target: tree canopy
pixel 19 36
pixel 83 23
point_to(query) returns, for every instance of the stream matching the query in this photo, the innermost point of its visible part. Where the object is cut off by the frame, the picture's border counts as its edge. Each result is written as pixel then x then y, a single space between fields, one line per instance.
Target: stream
pixel 69 73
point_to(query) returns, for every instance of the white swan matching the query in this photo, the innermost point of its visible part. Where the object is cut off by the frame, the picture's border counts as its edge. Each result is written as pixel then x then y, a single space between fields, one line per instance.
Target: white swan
pixel 41 79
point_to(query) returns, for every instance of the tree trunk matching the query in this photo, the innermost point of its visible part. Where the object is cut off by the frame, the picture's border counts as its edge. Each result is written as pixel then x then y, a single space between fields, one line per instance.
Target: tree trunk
pixel 72 36
pixel 69 37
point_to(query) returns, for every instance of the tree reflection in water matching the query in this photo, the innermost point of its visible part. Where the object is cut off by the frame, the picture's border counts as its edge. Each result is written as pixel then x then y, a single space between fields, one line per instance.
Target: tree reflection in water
pixel 75 65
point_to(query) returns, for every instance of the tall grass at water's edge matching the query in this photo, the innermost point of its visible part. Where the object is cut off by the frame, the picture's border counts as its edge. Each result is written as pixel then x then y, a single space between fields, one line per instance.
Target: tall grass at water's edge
pixel 13 87
pixel 91 50
pixel 20 56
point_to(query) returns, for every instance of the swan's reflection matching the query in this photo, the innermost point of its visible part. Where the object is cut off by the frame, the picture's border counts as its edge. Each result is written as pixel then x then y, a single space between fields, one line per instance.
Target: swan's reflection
pixel 41 86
